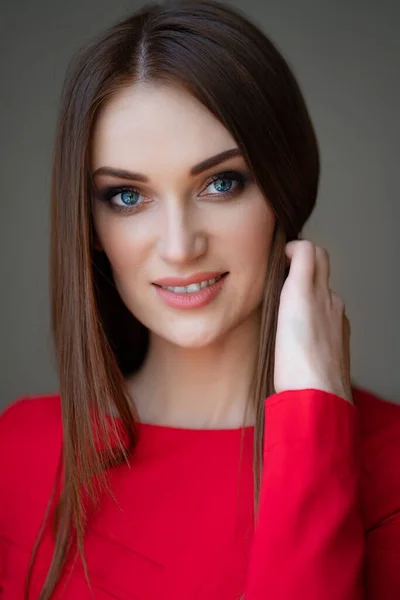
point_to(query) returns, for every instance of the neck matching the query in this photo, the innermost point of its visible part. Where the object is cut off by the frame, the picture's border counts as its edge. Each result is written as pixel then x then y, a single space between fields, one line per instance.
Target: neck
pixel 199 388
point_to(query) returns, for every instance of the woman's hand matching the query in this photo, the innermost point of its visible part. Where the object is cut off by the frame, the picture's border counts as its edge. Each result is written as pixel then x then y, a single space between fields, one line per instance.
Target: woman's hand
pixel 313 335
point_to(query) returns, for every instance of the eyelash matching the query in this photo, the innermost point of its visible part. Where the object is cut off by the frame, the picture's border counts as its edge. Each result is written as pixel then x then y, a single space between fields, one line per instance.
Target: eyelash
pixel 240 178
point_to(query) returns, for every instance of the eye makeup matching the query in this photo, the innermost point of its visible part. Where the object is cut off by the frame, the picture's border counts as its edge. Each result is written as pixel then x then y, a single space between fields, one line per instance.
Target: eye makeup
pixel 128 206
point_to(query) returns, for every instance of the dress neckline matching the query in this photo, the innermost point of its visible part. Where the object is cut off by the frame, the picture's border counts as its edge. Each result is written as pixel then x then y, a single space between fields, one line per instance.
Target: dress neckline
pixel 173 428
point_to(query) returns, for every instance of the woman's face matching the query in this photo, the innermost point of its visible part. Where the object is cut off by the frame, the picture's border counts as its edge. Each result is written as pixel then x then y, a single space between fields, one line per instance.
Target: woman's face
pixel 160 211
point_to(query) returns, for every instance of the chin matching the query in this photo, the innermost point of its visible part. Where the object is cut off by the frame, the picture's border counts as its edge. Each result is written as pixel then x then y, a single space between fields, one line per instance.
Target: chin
pixel 191 335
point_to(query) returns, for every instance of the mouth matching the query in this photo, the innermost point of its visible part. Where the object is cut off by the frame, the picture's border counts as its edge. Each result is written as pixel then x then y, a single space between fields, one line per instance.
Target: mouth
pixel 194 286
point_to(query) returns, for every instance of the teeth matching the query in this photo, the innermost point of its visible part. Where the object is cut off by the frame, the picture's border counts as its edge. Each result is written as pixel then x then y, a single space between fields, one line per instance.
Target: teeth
pixel 193 287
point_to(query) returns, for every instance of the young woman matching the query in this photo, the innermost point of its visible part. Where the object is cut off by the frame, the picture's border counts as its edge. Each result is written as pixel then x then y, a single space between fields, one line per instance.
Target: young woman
pixel 206 442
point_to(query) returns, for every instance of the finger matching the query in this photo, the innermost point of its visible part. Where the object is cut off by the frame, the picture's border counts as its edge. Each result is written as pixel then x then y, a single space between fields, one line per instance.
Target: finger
pixel 322 270
pixel 301 254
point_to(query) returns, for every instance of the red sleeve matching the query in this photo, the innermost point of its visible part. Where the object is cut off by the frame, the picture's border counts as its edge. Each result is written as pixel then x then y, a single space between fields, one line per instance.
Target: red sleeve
pixel 309 537
pixel 380 488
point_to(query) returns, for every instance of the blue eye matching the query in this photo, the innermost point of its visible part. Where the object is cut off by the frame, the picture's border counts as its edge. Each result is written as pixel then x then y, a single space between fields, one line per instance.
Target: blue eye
pixel 129 197
pixel 223 183
pixel 223 188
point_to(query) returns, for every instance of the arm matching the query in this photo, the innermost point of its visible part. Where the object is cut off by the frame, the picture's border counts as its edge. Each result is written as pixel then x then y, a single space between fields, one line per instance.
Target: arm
pixel 309 539
pixel 380 487
pixel 382 569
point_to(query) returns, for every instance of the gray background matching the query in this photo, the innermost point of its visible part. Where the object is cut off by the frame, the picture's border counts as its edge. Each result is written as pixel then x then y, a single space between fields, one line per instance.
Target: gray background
pixel 346 55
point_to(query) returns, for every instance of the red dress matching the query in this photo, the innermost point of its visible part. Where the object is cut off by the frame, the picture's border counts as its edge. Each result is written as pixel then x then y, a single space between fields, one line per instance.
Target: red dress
pixel 180 526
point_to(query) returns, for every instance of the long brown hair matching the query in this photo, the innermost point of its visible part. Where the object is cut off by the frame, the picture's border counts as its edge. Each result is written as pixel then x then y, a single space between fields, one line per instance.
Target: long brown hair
pixel 230 65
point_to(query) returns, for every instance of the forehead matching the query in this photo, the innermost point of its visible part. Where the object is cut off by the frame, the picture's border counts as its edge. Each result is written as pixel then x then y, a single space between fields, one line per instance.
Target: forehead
pixel 147 122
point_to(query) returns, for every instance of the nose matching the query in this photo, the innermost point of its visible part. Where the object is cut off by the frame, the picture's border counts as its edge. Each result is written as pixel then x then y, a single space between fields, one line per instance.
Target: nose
pixel 181 238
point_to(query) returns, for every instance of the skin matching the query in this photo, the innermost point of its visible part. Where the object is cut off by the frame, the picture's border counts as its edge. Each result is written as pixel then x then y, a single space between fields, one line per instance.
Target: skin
pixel 312 344
pixel 200 362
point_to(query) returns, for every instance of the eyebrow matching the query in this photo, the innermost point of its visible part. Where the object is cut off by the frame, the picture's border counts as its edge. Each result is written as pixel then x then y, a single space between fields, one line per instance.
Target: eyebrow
pixel 199 168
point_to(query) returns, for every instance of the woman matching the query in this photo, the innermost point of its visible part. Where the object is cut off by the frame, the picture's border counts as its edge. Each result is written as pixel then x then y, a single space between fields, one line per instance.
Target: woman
pixel 206 442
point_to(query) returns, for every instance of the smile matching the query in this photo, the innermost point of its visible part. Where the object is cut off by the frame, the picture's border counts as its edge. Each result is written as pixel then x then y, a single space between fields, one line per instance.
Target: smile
pixel 196 294
pixel 192 288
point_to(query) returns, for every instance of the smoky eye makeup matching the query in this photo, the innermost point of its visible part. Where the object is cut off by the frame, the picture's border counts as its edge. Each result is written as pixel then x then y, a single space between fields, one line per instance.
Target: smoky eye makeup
pixel 223 186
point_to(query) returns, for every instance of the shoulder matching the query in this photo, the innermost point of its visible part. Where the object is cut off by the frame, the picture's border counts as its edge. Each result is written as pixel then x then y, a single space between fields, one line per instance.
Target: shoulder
pixel 30 433
pixel 30 447
pixel 31 421
pixel 379 422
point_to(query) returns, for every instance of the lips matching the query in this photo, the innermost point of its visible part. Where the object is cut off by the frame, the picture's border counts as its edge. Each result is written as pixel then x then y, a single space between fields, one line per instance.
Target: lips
pixel 179 297
pixel 183 281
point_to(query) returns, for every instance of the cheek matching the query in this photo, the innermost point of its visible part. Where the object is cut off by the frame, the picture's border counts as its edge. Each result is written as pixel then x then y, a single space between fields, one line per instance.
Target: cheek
pixel 249 235
pixel 125 244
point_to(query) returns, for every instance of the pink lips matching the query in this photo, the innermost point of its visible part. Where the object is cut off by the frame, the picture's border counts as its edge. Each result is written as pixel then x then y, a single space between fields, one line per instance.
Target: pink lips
pixel 189 300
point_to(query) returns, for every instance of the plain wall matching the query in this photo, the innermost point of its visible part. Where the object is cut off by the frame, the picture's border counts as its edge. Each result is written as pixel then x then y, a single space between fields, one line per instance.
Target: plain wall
pixel 346 56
